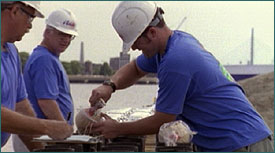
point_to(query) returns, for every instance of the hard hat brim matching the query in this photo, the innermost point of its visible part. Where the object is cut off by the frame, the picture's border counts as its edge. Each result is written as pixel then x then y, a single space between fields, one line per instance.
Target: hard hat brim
pixel 70 32
pixel 127 46
pixel 38 12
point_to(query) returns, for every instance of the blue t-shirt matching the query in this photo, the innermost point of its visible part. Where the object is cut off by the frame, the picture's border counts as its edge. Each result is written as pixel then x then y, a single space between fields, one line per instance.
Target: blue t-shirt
pixel 46 78
pixel 196 87
pixel 12 83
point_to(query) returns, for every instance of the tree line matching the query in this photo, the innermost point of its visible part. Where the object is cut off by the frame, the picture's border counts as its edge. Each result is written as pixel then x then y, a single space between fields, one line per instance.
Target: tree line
pixel 74 67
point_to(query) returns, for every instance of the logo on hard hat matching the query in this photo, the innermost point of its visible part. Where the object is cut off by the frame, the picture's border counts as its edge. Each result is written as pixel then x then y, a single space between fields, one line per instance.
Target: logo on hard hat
pixel 68 23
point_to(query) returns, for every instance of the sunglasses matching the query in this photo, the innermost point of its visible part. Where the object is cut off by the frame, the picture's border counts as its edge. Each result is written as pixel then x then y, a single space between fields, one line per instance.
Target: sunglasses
pixel 30 16
pixel 61 34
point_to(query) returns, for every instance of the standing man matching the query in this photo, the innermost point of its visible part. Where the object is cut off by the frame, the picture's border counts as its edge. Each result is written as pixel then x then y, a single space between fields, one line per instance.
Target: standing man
pixel 16 20
pixel 193 86
pixel 46 80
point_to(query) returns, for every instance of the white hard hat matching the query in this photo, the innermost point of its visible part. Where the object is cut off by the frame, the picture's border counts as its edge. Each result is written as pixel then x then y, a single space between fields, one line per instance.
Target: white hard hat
pixel 63 20
pixel 131 18
pixel 36 6
pixel 33 4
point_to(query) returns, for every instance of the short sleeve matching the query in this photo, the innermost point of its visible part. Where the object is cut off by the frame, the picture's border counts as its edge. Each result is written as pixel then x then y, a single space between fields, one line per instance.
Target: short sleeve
pixel 21 89
pixel 147 64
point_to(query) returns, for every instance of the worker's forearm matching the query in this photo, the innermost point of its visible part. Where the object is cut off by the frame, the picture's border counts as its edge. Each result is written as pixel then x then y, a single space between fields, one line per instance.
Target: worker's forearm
pixel 145 126
pixel 24 107
pixel 127 75
pixel 50 109
pixel 134 128
pixel 13 122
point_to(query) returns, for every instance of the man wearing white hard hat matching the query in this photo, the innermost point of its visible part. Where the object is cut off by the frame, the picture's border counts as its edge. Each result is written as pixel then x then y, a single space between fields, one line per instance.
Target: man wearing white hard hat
pixel 17 115
pixel 193 86
pixel 46 80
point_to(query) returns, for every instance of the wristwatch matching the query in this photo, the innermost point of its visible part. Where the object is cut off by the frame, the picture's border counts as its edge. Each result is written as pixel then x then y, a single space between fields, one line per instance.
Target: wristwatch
pixel 110 83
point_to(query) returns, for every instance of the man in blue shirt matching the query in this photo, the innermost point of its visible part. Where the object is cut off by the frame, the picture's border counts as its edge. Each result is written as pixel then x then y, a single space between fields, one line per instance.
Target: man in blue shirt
pixel 16 20
pixel 193 86
pixel 46 80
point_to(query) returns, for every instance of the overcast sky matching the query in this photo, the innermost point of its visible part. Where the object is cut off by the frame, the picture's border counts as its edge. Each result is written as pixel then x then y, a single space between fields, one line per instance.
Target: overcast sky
pixel 224 28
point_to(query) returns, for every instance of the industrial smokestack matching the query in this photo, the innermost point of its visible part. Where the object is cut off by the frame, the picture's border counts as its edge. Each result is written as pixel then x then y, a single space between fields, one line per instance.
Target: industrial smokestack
pixel 82 53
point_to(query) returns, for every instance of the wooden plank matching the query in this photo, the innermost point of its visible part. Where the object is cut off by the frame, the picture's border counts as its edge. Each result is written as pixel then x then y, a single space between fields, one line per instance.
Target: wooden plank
pixel 150 143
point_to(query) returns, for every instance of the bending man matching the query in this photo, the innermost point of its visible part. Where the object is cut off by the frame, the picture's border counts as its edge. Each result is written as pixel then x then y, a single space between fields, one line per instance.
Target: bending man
pixel 193 86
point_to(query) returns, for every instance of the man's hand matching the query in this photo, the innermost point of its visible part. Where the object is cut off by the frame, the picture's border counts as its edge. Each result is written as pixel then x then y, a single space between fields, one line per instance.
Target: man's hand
pixel 109 128
pixel 58 130
pixel 103 92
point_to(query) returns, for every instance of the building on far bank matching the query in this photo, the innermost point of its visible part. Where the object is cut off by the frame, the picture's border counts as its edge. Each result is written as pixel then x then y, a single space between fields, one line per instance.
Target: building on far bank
pixel 240 72
pixel 118 62
pixel 124 59
pixel 88 68
pixel 114 63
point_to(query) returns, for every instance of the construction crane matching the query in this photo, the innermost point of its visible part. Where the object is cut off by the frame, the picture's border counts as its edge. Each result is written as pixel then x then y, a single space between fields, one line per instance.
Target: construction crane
pixel 181 23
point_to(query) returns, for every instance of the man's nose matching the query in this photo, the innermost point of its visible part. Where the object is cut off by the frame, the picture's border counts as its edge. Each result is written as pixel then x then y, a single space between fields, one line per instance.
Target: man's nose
pixel 29 25
pixel 134 46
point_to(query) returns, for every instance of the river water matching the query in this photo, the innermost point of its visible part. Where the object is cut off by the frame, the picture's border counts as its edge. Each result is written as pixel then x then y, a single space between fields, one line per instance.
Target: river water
pixel 135 96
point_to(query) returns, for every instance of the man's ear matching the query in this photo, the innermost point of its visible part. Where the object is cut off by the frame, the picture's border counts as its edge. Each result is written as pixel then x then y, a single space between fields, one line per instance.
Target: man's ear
pixel 47 33
pixel 14 10
pixel 152 33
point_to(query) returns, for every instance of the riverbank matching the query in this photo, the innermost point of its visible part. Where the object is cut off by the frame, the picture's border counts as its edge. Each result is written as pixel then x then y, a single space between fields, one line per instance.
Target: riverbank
pixel 260 92
pixel 101 78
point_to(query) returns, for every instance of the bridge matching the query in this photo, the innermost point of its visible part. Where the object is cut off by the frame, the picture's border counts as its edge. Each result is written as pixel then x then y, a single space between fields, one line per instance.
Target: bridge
pixel 101 79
